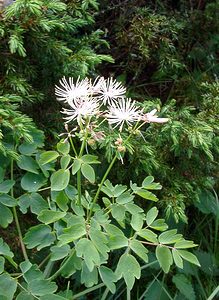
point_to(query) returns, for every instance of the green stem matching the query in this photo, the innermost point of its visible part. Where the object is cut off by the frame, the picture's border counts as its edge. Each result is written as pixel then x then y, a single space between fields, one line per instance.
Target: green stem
pixel 16 217
pixel 65 262
pixel 128 294
pixel 48 269
pixel 88 290
pixel 149 265
pixel 214 293
pixel 83 145
pixel 44 261
pixel 105 294
pixel 73 146
pixel 79 171
pixel 44 189
pixel 201 286
pixel 100 185
pixel 216 234
pixel 79 186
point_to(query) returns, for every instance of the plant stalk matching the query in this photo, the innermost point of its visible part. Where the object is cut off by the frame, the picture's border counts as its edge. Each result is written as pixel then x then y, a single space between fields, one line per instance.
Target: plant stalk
pixel 79 171
pixel 23 248
pixel 100 185
pixel 65 262
pixel 88 290
pixel 79 186
pixel 73 146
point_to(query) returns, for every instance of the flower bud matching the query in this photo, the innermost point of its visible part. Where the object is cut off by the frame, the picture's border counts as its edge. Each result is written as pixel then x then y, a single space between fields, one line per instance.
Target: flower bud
pixel 91 142
pixel 121 148
pixel 119 141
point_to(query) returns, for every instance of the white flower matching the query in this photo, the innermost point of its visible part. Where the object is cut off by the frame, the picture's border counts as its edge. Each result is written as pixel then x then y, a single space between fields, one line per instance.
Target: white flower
pixel 81 109
pixel 109 90
pixel 70 91
pixel 124 111
pixel 151 118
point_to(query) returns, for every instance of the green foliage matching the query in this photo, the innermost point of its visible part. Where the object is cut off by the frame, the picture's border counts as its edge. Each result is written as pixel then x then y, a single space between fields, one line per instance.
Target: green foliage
pixel 184 286
pixel 83 229
pixel 169 60
pixel 41 41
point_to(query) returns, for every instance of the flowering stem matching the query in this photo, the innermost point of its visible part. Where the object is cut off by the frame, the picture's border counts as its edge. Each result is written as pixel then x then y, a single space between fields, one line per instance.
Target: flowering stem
pixel 100 185
pixel 79 186
pixel 16 217
pixel 79 171
pixel 73 146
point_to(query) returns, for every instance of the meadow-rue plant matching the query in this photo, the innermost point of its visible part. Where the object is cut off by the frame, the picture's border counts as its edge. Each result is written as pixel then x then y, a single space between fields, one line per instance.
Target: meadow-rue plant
pixel 83 217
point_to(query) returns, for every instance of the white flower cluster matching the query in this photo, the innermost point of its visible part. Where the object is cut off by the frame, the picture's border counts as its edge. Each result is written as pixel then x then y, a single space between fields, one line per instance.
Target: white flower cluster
pixel 85 99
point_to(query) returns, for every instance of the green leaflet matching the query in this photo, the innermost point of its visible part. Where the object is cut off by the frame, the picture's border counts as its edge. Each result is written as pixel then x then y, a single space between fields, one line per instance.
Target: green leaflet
pixel 34 201
pixel 90 159
pixel 35 279
pixel 137 221
pixel 64 161
pixel 148 235
pixel 100 241
pixel 59 180
pixel 139 249
pixel 147 195
pixel 41 287
pixel 47 157
pixel 8 200
pixel 58 253
pixel 50 216
pixel 72 233
pixel 6 185
pixel 88 172
pixel 27 163
pixel 189 257
pixel 177 259
pixel 8 286
pixel 32 182
pixel 169 237
pixel 63 147
pixel 151 215
pixel 183 244
pixel 76 166
pixel 108 277
pixel 6 216
pixel 86 249
pixel 118 212
pixel 164 258
pixel 62 201
pixel 129 269
pixel 4 249
pixel 159 224
pixel 88 278
pixel 39 236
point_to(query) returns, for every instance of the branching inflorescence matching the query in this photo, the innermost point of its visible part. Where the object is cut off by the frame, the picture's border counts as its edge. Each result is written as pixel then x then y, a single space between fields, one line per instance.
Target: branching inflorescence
pixel 102 98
